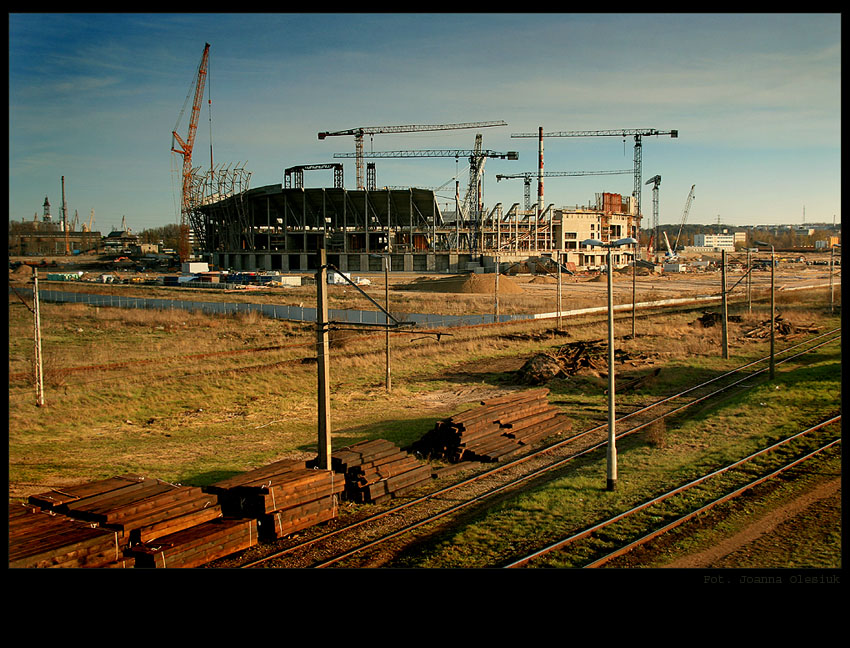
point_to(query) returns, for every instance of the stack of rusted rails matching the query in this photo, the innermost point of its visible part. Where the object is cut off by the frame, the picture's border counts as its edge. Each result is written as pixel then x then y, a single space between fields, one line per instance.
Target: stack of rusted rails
pixel 377 470
pixel 197 545
pixel 498 428
pixel 141 508
pixel 39 538
pixel 129 509
pixel 155 509
pixel 285 496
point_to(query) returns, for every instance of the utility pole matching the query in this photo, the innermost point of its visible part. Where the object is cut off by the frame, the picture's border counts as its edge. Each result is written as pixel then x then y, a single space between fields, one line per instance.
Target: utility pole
pixel 65 219
pixel 611 483
pixel 749 283
pixel 496 292
pixel 772 306
pixel 725 308
pixel 772 312
pixel 322 353
pixel 634 289
pixel 831 286
pixel 559 291
pixel 39 370
pixel 387 307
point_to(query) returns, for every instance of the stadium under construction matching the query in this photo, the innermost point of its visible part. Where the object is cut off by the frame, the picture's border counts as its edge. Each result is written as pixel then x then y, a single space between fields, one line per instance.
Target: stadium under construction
pixel 278 228
pixel 283 226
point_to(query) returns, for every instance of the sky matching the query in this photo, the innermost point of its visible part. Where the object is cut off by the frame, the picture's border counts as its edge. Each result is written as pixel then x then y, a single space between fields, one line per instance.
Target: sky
pixel 755 99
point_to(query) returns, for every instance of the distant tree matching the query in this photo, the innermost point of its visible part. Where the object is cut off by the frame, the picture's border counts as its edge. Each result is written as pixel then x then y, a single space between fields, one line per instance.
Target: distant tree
pixel 168 234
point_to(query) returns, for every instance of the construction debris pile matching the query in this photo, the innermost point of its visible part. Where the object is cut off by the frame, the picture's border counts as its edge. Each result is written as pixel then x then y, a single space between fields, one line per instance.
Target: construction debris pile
pixel 501 427
pixel 285 496
pixel 473 284
pixel 571 358
pixel 783 327
pixel 377 470
pixel 709 319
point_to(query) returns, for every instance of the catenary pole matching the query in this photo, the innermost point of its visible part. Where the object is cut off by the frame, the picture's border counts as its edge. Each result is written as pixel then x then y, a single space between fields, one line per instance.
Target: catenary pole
pixel 322 353
pixel 725 307
pixel 39 366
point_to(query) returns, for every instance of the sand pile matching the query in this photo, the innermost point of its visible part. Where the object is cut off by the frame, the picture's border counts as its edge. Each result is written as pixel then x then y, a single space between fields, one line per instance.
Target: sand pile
pixel 474 283
pixel 544 279
pixel 21 273
pixel 621 274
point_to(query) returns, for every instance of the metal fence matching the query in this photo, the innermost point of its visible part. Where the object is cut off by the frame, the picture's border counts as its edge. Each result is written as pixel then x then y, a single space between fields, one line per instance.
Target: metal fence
pixel 275 311
pixel 301 314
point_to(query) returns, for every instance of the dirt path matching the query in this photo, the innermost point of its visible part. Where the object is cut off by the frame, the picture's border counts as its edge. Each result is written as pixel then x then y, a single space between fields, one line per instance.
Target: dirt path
pixel 793 512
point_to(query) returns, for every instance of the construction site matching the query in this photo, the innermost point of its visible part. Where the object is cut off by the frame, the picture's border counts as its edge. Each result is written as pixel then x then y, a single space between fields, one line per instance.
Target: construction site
pixel 236 417
pixel 280 227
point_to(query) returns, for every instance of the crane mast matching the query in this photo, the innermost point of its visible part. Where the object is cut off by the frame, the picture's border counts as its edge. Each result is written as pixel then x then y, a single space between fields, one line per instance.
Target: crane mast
pixel 655 181
pixel 637 133
pixel 684 216
pixel 185 147
pixel 359 132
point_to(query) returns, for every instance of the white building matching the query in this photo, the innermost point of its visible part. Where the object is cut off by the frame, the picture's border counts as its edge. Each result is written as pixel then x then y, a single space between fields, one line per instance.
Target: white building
pixel 717 241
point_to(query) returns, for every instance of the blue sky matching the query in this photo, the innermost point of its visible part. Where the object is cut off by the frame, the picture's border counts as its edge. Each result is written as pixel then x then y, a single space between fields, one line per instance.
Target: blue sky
pixel 755 98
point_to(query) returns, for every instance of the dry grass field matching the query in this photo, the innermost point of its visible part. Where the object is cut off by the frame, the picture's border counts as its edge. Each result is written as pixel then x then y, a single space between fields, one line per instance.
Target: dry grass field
pixel 193 398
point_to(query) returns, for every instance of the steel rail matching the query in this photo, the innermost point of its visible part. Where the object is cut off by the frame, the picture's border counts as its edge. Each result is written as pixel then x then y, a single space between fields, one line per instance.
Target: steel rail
pixel 560 544
pixel 710 505
pixel 525 458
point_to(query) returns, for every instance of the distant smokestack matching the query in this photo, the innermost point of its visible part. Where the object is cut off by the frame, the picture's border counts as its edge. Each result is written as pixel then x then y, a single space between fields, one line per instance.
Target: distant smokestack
pixel 540 174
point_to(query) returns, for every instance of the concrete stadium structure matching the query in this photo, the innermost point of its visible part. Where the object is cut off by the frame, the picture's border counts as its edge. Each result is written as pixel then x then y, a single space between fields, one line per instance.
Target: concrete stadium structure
pixel 281 228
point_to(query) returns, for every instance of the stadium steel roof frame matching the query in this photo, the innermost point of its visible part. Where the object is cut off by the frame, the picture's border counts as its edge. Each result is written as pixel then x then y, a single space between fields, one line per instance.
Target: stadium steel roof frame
pixel 233 223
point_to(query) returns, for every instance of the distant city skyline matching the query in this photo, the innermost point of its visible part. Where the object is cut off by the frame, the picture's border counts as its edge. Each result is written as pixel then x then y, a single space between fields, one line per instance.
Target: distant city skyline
pixel 756 99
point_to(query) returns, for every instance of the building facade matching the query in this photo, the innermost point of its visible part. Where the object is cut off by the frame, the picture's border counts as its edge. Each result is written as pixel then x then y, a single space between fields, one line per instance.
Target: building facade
pixel 715 241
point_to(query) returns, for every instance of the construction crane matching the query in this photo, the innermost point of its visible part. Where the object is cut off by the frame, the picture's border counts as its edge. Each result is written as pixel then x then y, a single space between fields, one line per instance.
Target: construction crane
pixel 358 134
pixel 655 181
pixel 297 172
pixel 637 133
pixel 528 176
pixel 476 157
pixel 87 227
pixel 184 147
pixel 684 218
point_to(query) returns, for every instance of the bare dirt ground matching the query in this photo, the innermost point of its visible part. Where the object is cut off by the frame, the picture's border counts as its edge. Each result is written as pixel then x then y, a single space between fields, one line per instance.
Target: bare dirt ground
pixel 765 542
pixel 778 525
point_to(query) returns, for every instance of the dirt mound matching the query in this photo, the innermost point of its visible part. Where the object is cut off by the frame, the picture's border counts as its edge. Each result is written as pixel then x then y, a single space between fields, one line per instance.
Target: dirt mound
pixel 543 279
pixel 474 283
pixel 21 273
pixel 539 369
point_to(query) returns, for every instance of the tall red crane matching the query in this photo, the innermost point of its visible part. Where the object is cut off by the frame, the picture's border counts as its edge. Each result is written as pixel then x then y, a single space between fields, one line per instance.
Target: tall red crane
pixel 184 147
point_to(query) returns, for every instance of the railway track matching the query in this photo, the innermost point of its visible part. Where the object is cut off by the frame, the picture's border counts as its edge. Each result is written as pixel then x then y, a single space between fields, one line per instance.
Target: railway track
pixel 609 539
pixel 375 539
